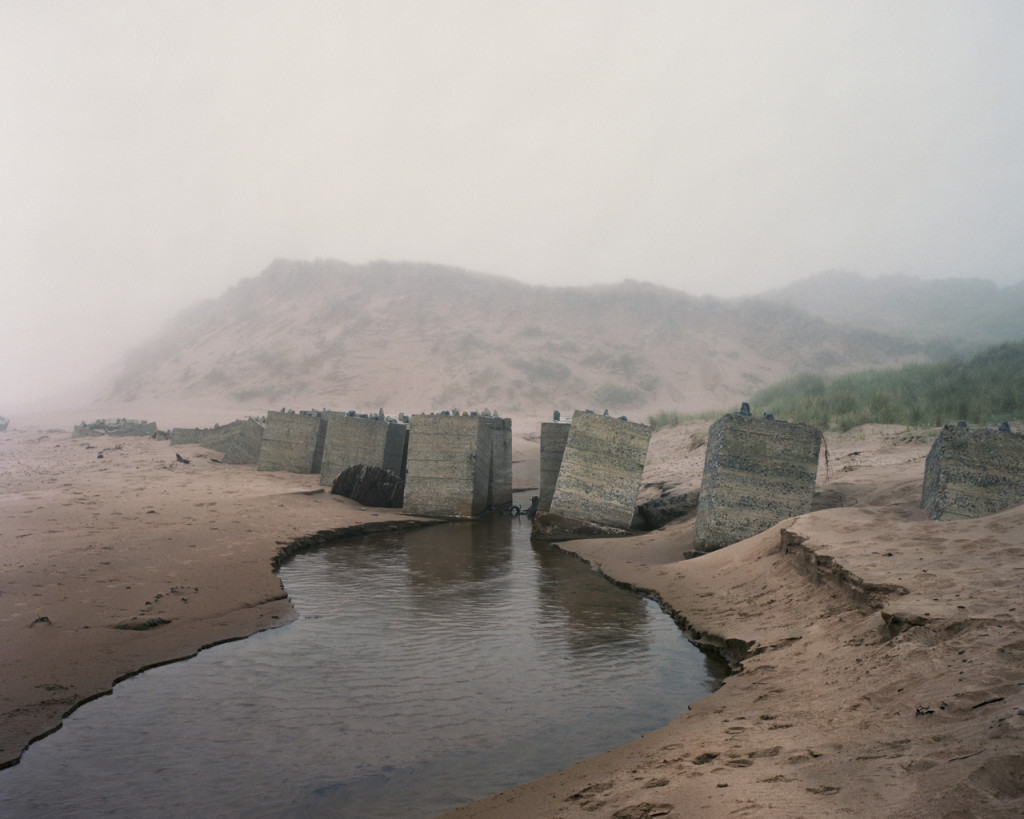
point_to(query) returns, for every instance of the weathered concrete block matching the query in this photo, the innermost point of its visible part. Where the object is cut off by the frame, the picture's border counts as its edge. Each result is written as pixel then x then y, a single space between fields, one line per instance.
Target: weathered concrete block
pixel 553 437
pixel 352 439
pixel 603 463
pixel 499 479
pixel 239 441
pixel 125 427
pixel 757 471
pixel 458 466
pixel 973 472
pixel 293 442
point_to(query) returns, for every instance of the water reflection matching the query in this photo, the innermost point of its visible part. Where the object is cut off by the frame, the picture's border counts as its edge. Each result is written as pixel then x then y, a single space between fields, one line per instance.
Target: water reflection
pixel 593 614
pixel 464 557
pixel 426 669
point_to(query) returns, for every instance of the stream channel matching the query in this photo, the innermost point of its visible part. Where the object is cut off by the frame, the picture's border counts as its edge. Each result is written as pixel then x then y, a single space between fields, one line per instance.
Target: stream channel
pixel 427 668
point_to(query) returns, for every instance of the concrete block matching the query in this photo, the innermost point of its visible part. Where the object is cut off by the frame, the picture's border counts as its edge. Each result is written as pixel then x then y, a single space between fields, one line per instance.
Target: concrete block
pixel 973 472
pixel 293 442
pixel 553 437
pixel 757 471
pixel 124 427
pixel 603 463
pixel 499 480
pixel 239 442
pixel 353 439
pixel 458 465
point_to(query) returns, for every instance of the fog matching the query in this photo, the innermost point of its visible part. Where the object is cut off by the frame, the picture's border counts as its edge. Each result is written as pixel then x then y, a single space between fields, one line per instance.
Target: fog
pixel 155 153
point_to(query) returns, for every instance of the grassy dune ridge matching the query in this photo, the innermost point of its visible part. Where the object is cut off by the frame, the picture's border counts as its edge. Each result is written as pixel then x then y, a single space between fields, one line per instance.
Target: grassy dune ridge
pixel 986 388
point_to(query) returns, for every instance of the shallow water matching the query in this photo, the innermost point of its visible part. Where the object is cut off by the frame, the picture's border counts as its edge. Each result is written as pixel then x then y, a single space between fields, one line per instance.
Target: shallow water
pixel 426 669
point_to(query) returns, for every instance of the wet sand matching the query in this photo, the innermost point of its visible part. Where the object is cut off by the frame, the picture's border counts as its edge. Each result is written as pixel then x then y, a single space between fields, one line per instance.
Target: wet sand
pixel 881 654
pixel 881 657
pixel 116 557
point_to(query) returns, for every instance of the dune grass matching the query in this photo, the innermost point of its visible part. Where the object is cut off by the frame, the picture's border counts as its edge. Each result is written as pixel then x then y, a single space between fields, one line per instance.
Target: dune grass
pixel 986 388
pixel 674 419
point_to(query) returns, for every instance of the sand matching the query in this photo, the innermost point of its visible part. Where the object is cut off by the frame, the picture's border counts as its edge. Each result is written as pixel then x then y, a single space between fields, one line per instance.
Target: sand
pixel 879 655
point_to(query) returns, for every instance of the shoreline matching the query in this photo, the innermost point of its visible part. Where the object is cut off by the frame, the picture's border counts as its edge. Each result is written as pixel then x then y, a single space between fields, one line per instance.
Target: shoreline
pixel 881 655
pixel 881 664
pixel 117 564
pixel 285 553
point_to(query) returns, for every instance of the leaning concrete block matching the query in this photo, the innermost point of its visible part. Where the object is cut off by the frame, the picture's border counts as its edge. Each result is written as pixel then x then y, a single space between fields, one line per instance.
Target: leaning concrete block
pixel 240 441
pixel 757 471
pixel 603 463
pixel 353 439
pixel 293 442
pixel 458 465
pixel 553 437
pixel 973 472
pixel 499 479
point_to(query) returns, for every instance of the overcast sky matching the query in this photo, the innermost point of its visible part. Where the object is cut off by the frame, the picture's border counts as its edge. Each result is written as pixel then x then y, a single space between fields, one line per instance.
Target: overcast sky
pixel 155 153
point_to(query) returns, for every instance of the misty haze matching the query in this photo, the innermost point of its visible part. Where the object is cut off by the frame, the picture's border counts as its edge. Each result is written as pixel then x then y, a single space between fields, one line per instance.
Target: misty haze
pixel 543 259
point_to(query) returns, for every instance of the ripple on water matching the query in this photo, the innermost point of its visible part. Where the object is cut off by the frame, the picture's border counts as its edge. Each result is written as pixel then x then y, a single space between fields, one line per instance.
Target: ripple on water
pixel 426 669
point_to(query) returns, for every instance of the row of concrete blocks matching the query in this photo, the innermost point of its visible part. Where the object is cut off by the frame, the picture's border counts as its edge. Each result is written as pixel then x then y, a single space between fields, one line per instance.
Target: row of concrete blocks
pixel 757 471
pixel 454 466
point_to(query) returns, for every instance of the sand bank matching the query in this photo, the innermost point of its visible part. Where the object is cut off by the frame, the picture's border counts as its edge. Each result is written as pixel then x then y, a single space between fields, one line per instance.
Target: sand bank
pixel 881 657
pixel 881 654
pixel 116 557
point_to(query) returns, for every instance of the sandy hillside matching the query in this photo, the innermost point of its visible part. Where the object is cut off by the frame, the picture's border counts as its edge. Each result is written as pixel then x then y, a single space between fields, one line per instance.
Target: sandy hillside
pixel 412 338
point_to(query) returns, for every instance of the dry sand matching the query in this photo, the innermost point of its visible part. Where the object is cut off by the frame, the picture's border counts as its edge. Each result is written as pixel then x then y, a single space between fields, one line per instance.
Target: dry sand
pixel 882 654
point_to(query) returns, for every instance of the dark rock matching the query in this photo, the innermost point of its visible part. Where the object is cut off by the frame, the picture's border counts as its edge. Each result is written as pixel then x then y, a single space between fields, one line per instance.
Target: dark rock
pixel 656 513
pixel 548 526
pixel 370 486
pixel 141 623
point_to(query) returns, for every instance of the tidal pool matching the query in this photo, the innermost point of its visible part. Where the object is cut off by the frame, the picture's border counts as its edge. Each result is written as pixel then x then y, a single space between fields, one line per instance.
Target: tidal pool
pixel 427 669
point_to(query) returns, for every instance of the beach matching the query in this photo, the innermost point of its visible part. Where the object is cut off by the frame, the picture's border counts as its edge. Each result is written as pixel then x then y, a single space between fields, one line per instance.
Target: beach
pixel 879 656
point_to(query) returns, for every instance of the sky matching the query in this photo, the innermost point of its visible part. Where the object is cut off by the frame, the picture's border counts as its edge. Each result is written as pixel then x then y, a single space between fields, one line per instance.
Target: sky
pixel 155 152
